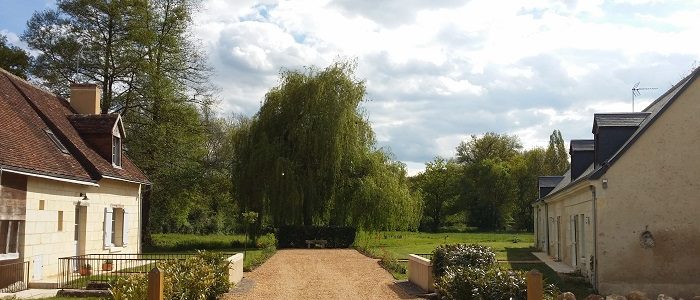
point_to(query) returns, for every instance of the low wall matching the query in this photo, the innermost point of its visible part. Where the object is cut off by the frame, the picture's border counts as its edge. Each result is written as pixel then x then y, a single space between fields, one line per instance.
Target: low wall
pixel 235 269
pixel 420 272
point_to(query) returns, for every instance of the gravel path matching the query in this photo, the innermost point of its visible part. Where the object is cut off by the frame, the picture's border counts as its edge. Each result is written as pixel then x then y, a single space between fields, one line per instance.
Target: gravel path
pixel 320 274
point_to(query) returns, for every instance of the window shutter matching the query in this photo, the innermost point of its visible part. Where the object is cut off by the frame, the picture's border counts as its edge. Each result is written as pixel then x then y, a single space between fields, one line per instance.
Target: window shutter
pixel 125 228
pixel 108 227
pixel 572 232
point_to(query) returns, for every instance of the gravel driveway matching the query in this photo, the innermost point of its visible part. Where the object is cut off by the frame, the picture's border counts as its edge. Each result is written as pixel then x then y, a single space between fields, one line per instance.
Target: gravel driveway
pixel 320 274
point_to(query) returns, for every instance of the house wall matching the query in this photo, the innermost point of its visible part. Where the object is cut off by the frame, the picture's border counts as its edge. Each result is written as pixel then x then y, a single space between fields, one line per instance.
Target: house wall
pixel 573 205
pixel 540 221
pixel 44 243
pixel 654 186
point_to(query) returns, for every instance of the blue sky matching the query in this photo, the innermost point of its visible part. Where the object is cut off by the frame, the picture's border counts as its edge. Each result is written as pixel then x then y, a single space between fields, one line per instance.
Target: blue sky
pixel 14 14
pixel 439 71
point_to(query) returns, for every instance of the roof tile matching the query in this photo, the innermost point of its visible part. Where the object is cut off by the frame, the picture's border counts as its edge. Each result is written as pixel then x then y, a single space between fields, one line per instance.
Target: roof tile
pixel 25 112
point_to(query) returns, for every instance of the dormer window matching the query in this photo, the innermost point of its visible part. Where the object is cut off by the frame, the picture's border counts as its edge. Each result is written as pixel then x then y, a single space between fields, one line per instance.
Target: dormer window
pixel 116 151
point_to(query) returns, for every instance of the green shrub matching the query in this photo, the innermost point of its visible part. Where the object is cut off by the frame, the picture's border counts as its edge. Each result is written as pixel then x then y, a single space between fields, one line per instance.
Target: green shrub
pixel 461 255
pixel 470 283
pixel 131 287
pixel 266 241
pixel 172 242
pixel 296 236
pixel 220 266
pixel 200 277
pixel 389 262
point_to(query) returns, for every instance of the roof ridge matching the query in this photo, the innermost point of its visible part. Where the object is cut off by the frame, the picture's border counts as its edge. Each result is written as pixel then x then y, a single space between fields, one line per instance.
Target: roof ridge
pixel 40 88
pixel 673 87
pixel 623 113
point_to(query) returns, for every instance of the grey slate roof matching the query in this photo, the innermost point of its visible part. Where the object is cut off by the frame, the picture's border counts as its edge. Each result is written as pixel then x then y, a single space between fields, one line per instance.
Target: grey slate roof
pixel 645 118
pixel 549 181
pixel 618 119
pixel 582 145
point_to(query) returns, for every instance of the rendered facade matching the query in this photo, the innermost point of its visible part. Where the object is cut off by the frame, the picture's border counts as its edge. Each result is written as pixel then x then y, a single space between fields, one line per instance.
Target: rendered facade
pixel 626 214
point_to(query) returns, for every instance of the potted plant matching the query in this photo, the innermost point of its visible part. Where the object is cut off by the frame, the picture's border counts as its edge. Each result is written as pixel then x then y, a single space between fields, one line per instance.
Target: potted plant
pixel 85 269
pixel 107 265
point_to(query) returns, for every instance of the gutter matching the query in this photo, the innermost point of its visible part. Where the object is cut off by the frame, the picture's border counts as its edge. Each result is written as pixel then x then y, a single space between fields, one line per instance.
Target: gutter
pixel 595 238
pixel 49 177
pixel 122 179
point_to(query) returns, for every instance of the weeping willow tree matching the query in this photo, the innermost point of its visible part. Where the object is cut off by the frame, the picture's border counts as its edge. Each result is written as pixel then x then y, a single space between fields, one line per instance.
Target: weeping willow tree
pixel 309 157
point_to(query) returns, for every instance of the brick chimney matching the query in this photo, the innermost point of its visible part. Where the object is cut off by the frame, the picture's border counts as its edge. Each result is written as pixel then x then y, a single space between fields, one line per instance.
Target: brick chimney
pixel 85 98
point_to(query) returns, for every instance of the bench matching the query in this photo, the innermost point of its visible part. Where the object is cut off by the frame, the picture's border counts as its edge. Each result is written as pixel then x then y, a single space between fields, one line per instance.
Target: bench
pixel 316 243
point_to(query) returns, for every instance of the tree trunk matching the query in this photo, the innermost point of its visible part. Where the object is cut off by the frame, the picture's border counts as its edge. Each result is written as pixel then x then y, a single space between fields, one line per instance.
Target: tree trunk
pixel 146 238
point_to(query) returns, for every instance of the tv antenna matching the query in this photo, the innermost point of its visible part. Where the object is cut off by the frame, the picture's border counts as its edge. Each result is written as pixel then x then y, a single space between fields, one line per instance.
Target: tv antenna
pixel 80 54
pixel 636 92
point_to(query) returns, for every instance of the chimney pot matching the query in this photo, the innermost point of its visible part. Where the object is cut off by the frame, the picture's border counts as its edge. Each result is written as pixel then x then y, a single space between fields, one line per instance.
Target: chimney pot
pixel 85 98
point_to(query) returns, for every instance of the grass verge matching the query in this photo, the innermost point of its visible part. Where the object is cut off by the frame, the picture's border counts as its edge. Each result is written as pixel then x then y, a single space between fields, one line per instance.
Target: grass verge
pixel 513 250
pixel 190 243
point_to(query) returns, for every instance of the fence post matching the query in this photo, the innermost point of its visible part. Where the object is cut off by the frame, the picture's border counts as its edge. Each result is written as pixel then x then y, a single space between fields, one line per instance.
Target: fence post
pixel 534 285
pixel 155 284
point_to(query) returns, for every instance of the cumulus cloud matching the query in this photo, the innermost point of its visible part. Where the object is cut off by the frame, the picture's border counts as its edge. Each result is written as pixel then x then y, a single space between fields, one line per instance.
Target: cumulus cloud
pixel 437 72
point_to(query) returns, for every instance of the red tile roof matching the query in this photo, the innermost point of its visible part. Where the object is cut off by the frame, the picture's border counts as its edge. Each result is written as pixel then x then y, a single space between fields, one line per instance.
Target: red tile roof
pixel 27 111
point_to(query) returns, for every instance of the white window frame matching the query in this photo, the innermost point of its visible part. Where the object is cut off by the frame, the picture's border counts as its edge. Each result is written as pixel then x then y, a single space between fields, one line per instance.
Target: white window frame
pixel 6 254
pixel 117 151
pixel 116 221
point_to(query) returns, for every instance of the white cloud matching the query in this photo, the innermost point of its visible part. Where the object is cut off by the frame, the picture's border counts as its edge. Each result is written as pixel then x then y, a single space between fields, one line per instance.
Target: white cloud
pixel 437 72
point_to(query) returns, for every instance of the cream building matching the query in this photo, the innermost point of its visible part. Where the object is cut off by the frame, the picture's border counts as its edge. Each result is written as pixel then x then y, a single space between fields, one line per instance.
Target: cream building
pixel 626 214
pixel 66 189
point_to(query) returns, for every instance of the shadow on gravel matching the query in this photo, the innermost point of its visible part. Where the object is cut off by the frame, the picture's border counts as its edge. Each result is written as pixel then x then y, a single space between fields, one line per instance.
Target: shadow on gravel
pixel 406 290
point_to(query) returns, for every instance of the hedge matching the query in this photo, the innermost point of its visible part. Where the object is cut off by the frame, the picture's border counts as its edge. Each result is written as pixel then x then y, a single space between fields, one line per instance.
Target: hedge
pixel 296 236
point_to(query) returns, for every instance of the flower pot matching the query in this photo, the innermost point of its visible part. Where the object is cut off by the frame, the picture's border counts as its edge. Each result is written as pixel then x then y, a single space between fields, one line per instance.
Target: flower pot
pixel 107 267
pixel 85 271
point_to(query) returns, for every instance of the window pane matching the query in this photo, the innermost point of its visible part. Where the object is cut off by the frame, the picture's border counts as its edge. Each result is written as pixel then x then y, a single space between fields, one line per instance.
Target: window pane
pixel 4 227
pixel 14 234
pixel 116 151
pixel 76 227
pixel 114 223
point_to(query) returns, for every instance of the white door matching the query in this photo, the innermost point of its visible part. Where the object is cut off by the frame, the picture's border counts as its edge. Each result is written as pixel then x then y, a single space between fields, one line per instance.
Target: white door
pixel 76 237
pixel 581 239
pixel 574 239
pixel 38 267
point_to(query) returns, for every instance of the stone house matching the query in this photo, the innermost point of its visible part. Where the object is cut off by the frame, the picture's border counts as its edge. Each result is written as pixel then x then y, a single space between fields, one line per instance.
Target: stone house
pixel 626 213
pixel 66 188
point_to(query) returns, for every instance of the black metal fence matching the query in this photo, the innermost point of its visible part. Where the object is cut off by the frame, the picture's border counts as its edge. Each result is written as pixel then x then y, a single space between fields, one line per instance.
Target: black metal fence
pixel 14 277
pixel 78 271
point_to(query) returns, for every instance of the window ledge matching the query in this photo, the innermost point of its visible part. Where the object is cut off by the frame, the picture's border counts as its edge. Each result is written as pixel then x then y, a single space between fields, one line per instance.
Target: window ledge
pixel 115 249
pixel 9 256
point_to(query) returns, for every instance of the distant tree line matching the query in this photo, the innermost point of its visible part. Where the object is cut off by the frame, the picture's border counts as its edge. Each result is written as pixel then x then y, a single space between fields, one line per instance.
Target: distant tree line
pixel 490 184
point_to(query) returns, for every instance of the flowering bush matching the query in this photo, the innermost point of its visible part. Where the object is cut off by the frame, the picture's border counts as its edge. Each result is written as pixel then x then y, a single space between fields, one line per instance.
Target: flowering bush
pixel 469 272
pixel 200 277
pixel 476 256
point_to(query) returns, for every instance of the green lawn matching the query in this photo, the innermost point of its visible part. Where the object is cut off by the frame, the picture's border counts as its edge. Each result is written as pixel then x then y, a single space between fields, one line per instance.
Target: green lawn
pixel 509 247
pixel 190 243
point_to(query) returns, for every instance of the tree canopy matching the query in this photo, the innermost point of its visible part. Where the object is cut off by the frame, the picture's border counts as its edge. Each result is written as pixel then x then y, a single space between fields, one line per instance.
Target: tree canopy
pixel 492 182
pixel 14 59
pixel 312 156
pixel 141 55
